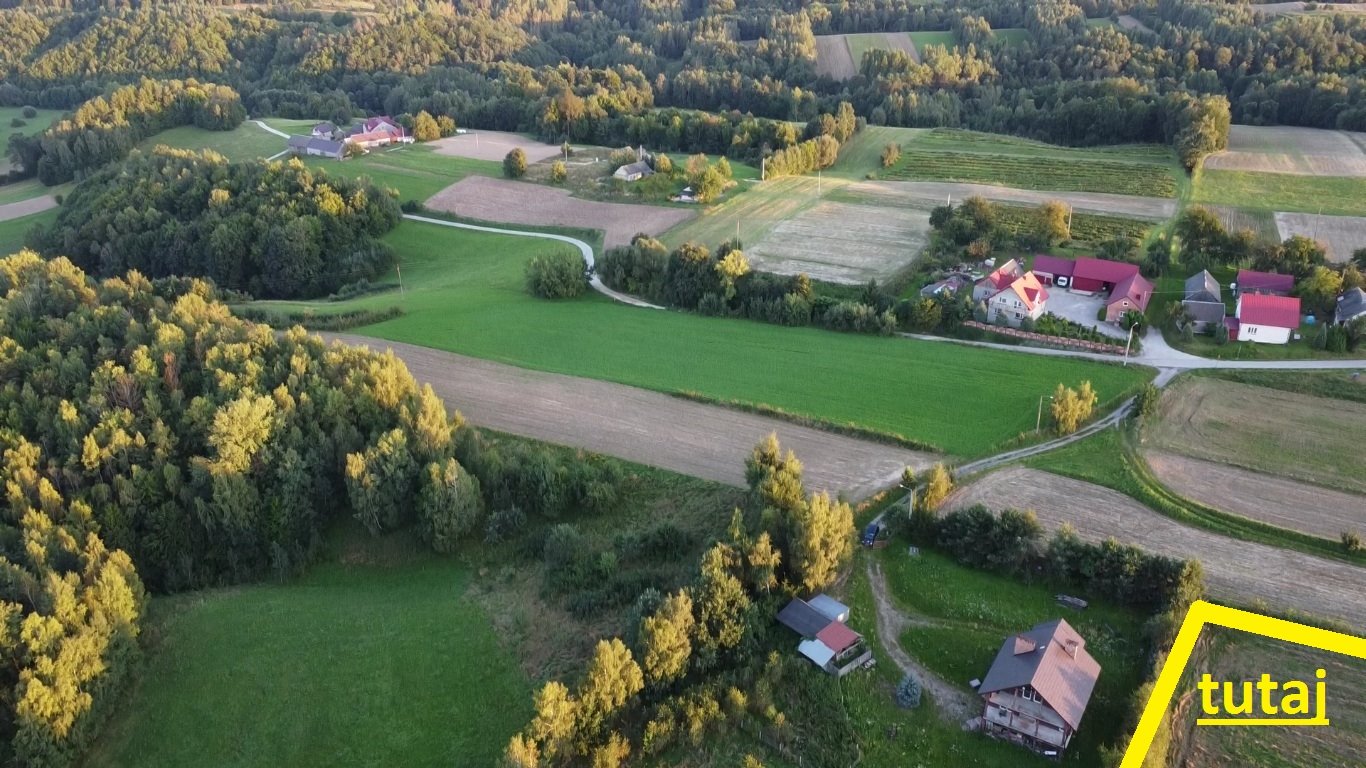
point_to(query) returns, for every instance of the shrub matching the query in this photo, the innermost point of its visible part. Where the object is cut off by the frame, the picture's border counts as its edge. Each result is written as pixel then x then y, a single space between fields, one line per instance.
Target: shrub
pixel 29 112
pixel 1351 541
pixel 890 154
pixel 558 172
pixel 16 122
pixel 503 524
pixel 908 692
pixel 1146 404
pixel 560 275
pixel 711 305
pixel 1220 334
pixel 514 164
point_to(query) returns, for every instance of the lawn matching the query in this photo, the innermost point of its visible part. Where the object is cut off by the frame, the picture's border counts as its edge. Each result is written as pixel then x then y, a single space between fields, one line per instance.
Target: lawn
pixel 12 232
pixel 862 154
pixel 922 39
pixel 964 156
pixel 33 125
pixel 464 293
pixel 374 658
pixel 247 141
pixel 860 44
pixel 1333 195
pixel 417 172
pixel 1012 35
pixel 972 612
pixel 28 189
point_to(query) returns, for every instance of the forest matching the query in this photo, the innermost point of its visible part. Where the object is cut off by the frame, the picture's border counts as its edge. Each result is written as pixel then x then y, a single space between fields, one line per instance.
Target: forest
pixel 153 442
pixel 275 230
pixel 595 71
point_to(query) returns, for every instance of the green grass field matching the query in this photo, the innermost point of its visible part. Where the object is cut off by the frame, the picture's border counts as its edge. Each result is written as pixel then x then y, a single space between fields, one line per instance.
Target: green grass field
pixel 862 43
pixel 12 232
pixel 972 612
pixel 33 125
pixel 953 155
pixel 1011 35
pixel 465 294
pixel 1334 195
pixel 28 189
pixel 373 658
pixel 862 154
pixel 922 39
pixel 247 141
pixel 417 172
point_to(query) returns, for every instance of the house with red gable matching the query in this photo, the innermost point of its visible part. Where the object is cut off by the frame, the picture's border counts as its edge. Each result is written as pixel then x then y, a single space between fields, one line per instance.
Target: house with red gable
pixel 1052 270
pixel 1264 318
pixel 999 280
pixel 1130 295
pixel 1266 283
pixel 1025 297
pixel 376 132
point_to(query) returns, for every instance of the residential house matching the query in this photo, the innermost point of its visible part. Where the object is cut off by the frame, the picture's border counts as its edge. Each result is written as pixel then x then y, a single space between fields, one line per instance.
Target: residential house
pixel 316 147
pixel 1037 689
pixel 377 132
pixel 999 280
pixel 633 171
pixel 324 130
pixel 1203 302
pixel 1024 298
pixel 1130 295
pixel 1267 283
pixel 1264 318
pixel 1099 275
pixel 827 641
pixel 1351 305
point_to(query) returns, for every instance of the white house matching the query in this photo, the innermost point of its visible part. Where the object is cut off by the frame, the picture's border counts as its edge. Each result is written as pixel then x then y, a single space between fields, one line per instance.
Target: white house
pixel 1025 297
pixel 633 171
pixel 1265 319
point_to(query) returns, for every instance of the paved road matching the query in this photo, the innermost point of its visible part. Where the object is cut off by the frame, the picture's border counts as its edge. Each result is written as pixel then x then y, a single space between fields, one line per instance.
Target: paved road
pixel 27 207
pixel 652 428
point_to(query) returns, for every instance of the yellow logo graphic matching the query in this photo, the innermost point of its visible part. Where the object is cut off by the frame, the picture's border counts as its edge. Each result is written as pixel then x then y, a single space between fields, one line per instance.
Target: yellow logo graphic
pixel 1217 699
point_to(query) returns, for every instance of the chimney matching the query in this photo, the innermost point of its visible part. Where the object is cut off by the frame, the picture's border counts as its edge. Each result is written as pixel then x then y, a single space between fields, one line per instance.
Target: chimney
pixel 1071 647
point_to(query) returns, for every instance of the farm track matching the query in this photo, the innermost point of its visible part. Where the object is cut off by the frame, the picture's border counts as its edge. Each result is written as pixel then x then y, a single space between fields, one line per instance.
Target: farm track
pixel 1236 571
pixel 640 425
pixel 27 207
pixel 1258 496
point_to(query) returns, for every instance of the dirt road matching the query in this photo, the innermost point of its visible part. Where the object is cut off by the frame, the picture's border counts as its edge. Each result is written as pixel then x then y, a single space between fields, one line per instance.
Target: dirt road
pixel 922 194
pixel 647 427
pixel 1274 500
pixel 26 207
pixel 1237 571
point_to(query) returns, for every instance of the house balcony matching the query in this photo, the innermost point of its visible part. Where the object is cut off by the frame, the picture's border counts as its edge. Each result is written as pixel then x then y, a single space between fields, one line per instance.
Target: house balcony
pixel 1024 720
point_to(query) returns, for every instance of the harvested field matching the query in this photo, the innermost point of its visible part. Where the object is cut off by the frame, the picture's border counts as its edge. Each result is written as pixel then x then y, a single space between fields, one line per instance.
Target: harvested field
pixel 833 58
pixel 843 243
pixel 1286 434
pixel 927 194
pixel 755 211
pixel 1258 496
pixel 1234 218
pixel 493 145
pixel 1339 235
pixel 515 202
pixel 1129 22
pixel 1297 8
pixel 1296 151
pixel 1237 571
pixel 647 427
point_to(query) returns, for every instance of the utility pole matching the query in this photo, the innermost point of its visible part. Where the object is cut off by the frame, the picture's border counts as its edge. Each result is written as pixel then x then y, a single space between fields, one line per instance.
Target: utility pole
pixel 1038 417
pixel 400 277
pixel 1069 221
pixel 1129 343
pixel 763 169
pixel 737 233
pixel 818 183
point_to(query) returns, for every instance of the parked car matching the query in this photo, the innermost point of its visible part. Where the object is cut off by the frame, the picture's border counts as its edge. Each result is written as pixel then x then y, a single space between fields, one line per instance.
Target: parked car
pixel 870 534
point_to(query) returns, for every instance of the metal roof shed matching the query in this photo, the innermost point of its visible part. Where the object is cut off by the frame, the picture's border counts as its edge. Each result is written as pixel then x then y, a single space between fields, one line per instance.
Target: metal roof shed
pixel 819 653
pixel 830 607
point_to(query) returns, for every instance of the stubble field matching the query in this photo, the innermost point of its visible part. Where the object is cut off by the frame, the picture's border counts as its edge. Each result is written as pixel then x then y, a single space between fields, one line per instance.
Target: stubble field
pixel 843 243
pixel 1296 151
pixel 1339 235
pixel 1238 571
pixel 493 145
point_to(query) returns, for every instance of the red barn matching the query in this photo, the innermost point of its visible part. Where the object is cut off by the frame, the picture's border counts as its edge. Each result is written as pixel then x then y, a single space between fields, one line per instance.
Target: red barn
pixel 1099 275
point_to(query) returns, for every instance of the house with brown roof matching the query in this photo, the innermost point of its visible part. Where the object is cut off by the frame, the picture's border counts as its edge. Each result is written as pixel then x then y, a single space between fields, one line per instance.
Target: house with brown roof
pixel 999 280
pixel 1037 689
pixel 1130 295
pixel 1264 318
pixel 1025 297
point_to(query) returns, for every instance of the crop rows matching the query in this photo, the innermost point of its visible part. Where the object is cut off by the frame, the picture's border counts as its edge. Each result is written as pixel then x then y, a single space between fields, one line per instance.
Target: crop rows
pixel 1036 173
pixel 952 138
pixel 1091 228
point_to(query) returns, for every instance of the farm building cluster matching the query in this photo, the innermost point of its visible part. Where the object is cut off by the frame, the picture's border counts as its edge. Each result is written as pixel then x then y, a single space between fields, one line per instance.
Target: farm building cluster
pixel 1265 311
pixel 1012 294
pixel 327 140
pixel 827 640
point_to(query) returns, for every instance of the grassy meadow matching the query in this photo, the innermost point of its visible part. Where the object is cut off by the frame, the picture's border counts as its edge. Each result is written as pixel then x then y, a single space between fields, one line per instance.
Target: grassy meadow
pixel 416 171
pixel 1332 195
pixel 965 156
pixel 375 657
pixel 12 232
pixel 247 141
pixel 464 293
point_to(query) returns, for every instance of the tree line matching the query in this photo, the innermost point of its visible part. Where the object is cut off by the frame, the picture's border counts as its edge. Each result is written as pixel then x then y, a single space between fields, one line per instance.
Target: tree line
pixel 277 230
pixel 107 128
pixel 152 438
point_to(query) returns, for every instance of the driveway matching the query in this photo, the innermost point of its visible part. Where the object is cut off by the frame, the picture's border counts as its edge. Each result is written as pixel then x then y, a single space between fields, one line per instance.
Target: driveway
pixel 1081 309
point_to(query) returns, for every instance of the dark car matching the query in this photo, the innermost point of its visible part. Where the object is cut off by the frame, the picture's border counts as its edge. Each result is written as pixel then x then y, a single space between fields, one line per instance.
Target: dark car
pixel 870 533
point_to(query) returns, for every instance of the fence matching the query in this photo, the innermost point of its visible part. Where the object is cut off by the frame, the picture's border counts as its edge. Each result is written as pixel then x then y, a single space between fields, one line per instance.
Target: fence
pixel 1052 341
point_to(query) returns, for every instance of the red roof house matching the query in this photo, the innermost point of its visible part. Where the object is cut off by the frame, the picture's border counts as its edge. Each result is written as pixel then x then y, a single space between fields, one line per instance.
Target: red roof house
pixel 1267 319
pixel 1099 274
pixel 999 280
pixel 1130 294
pixel 1037 690
pixel 1251 281
pixel 838 637
pixel 1050 268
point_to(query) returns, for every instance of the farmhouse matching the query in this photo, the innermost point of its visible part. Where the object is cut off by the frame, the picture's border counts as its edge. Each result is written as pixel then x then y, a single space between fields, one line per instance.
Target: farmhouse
pixel 1266 283
pixel 999 280
pixel 316 147
pixel 1036 691
pixel 1025 297
pixel 1265 318
pixel 324 130
pixel 377 132
pixel 1351 305
pixel 1203 302
pixel 1130 295
pixel 826 640
pixel 633 171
